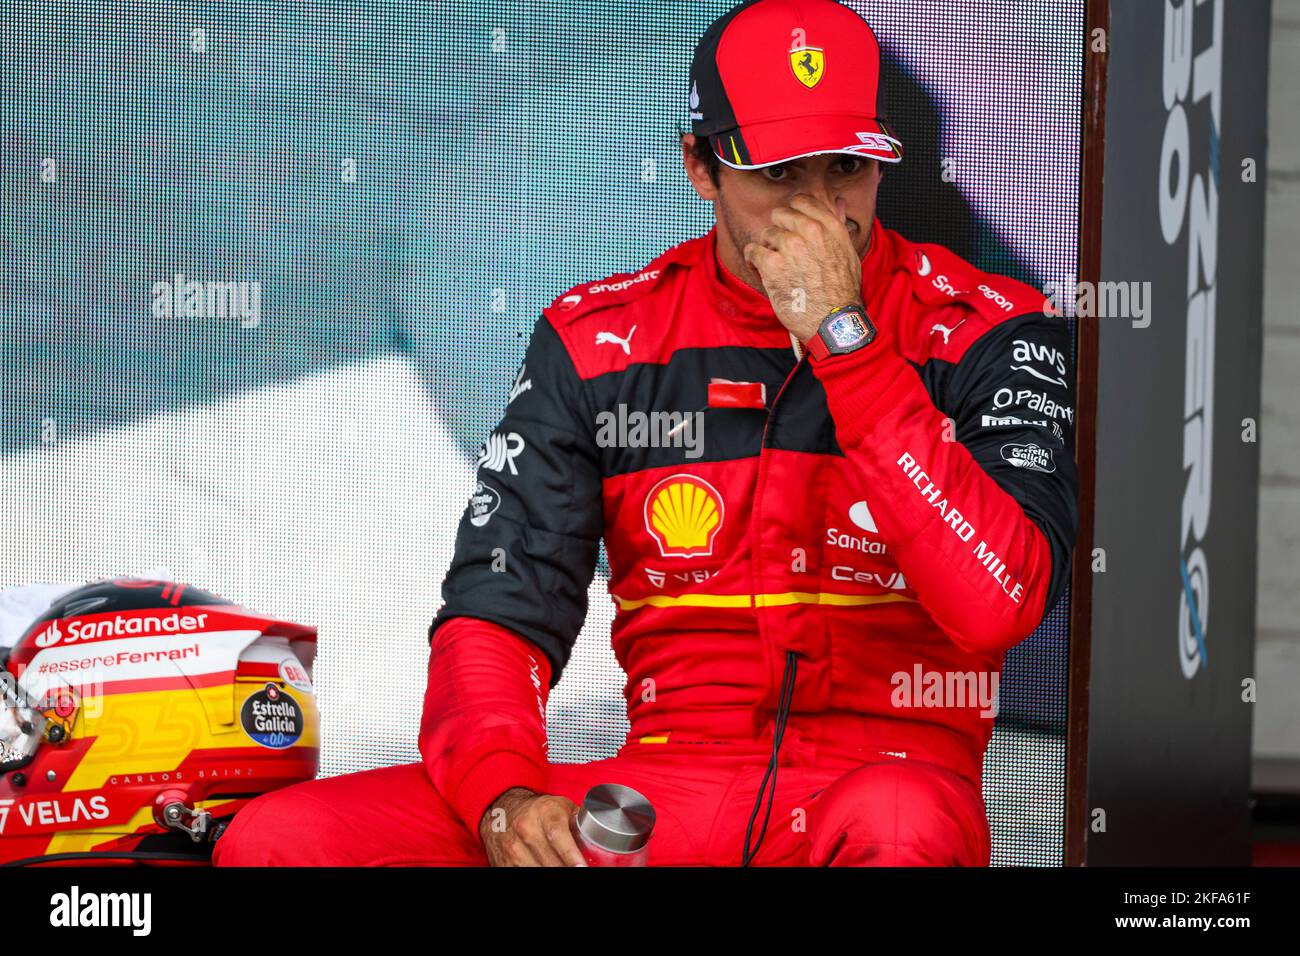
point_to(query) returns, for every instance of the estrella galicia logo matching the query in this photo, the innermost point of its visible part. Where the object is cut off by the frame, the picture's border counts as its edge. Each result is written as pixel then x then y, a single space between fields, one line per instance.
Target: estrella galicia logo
pixel 272 718
pixel 1029 456
pixel 483 503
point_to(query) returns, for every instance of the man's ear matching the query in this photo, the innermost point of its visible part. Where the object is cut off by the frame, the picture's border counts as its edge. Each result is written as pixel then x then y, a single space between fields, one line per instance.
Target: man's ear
pixel 697 171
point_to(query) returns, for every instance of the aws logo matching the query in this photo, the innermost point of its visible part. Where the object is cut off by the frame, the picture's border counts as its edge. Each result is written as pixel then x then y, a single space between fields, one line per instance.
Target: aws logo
pixel 683 514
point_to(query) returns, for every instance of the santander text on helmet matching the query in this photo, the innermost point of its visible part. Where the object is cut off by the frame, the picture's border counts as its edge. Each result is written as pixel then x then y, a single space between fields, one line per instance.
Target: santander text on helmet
pixel 118 626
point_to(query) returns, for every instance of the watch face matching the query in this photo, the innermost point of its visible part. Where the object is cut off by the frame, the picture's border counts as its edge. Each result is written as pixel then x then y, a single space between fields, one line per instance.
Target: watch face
pixel 847 331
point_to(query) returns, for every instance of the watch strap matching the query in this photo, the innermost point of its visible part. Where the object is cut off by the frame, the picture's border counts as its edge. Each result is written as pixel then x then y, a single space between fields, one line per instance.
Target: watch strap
pixel 816 348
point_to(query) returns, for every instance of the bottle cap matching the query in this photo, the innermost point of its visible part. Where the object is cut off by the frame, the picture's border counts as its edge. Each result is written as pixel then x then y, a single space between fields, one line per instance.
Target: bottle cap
pixel 616 818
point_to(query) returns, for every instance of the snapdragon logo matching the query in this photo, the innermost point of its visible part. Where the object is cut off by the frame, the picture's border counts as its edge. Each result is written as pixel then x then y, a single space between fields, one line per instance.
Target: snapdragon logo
pixel 76 909
pixel 621 428
pixel 181 298
pixel 626 283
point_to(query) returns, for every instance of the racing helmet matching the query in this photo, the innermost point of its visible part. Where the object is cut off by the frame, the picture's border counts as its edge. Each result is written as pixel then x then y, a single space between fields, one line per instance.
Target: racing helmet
pixel 139 716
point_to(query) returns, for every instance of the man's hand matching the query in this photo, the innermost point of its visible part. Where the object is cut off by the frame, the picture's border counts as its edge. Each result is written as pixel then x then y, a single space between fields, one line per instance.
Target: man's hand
pixel 807 263
pixel 523 828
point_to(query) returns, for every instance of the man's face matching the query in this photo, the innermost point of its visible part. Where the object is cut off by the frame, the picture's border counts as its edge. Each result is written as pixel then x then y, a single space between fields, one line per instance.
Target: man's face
pixel 744 198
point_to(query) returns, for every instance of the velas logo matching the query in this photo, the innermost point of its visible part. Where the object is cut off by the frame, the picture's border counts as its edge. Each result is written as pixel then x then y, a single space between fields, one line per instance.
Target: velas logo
pixel 54 813
pixel 683 514
pixel 809 65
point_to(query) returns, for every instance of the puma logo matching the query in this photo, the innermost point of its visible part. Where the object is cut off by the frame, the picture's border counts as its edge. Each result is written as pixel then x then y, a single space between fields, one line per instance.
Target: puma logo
pixel 940 327
pixel 609 338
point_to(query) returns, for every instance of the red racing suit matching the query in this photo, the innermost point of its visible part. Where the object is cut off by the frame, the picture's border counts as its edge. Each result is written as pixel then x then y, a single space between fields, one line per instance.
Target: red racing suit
pixel 897 517
pixel 894 515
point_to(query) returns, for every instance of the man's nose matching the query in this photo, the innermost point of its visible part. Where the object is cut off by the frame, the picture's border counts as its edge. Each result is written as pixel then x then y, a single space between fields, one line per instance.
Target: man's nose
pixel 822 191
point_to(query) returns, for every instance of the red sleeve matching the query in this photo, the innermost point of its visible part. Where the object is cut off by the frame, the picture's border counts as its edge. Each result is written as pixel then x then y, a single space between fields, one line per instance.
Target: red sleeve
pixel 980 565
pixel 484 724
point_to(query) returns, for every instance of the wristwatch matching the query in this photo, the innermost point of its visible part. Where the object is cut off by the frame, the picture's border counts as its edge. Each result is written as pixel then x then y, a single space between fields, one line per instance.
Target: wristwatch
pixel 847 329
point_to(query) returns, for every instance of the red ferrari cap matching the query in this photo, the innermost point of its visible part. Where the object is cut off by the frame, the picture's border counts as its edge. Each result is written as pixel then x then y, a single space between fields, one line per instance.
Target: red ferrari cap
pixel 775 80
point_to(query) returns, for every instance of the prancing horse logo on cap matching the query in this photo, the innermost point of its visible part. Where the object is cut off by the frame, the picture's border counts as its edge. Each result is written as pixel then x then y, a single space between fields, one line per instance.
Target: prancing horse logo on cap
pixel 808 63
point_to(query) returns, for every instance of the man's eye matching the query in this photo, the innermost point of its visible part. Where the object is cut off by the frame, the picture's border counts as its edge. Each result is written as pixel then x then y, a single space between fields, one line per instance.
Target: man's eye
pixel 776 173
pixel 850 164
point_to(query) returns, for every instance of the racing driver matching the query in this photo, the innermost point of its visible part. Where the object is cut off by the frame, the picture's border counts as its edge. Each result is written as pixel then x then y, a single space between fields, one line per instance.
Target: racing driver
pixel 812 600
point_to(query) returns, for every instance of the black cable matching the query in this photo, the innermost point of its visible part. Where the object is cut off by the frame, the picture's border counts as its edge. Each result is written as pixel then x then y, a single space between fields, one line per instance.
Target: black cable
pixel 747 854
pixel 778 734
pixel 779 737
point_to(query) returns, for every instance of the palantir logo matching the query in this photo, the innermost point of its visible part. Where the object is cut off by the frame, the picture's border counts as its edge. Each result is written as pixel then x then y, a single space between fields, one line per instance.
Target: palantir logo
pixel 76 909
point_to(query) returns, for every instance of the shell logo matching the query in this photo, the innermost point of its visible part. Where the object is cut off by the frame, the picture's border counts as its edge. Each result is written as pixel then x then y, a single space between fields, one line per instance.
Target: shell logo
pixel 683 514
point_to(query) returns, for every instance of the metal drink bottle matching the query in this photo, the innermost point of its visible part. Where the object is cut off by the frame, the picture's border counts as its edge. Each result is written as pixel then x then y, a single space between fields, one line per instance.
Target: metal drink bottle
pixel 613 826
